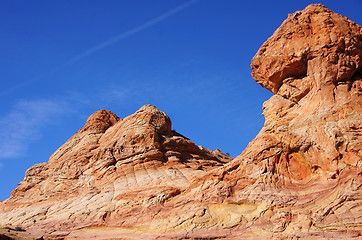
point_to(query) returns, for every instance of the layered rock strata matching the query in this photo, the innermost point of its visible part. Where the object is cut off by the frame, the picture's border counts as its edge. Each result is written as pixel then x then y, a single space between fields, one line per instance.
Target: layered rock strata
pixel 301 175
pixel 112 172
pixel 299 178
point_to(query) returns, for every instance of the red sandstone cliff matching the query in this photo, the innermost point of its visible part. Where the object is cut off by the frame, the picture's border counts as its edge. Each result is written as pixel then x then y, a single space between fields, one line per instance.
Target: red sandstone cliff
pixel 299 178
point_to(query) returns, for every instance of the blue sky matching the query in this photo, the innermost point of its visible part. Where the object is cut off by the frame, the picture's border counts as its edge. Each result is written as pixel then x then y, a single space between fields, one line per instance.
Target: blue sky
pixel 63 60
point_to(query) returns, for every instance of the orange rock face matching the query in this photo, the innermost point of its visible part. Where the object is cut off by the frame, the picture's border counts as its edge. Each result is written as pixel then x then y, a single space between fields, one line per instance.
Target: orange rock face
pixel 110 173
pixel 136 178
pixel 305 164
pixel 313 65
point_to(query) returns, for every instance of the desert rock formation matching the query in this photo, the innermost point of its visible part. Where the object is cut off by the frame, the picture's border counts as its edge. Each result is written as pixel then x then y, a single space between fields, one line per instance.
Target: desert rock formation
pixel 109 169
pixel 136 178
pixel 305 164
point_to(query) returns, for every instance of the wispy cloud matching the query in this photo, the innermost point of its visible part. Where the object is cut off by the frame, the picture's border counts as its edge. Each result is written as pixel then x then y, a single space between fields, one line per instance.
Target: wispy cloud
pixel 104 44
pixel 23 124
pixel 133 31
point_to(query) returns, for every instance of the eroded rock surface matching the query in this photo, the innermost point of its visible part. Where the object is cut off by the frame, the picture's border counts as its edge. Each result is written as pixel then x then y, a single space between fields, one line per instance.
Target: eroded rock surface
pixel 135 178
pixel 304 168
pixel 112 172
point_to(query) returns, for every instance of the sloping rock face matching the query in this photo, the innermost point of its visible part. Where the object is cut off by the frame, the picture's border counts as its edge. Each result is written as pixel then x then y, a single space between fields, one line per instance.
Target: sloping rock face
pixel 299 178
pixel 113 172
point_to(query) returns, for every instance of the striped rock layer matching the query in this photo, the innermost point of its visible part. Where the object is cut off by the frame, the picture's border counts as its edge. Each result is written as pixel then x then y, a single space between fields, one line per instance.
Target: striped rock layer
pixel 136 178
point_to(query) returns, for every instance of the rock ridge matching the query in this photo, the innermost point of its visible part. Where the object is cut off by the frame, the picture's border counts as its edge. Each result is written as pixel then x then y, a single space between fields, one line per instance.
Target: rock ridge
pixel 111 163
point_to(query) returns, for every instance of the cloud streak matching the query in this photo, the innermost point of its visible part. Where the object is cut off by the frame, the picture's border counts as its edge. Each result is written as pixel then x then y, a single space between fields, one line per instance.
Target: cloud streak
pixel 23 124
pixel 133 31
pixel 105 44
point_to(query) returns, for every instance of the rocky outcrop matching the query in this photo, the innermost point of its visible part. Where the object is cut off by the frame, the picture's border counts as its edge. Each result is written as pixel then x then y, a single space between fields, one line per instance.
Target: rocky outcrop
pixel 302 174
pixel 312 64
pixel 136 178
pixel 112 172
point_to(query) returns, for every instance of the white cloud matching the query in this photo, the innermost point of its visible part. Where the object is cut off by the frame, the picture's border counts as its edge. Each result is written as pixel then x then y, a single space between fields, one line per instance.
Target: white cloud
pixel 22 125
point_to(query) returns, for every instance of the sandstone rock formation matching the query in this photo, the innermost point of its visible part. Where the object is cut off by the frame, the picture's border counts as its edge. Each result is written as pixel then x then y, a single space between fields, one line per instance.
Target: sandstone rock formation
pixel 110 169
pixel 135 178
pixel 304 167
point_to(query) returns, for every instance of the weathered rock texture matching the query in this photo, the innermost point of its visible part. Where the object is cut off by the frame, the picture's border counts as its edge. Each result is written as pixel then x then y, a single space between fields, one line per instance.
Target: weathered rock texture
pixel 113 172
pixel 299 178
